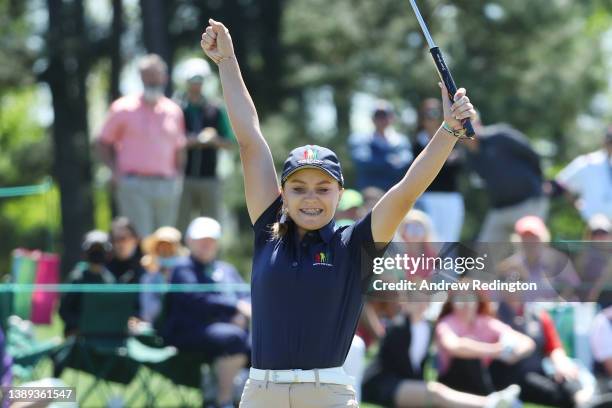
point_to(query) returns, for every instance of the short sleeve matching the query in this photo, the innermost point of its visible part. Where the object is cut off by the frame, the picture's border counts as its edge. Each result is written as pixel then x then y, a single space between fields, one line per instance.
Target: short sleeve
pixel 571 177
pixel 113 126
pixel 601 338
pixel 361 242
pixel 442 328
pixel 262 225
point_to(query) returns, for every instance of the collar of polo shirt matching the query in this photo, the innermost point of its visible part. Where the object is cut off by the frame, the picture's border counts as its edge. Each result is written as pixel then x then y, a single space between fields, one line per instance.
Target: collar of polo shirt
pixel 326 232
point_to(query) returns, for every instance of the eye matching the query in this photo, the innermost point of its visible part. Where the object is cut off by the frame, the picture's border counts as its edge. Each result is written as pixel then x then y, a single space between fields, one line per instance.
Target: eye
pixel 298 190
pixel 322 190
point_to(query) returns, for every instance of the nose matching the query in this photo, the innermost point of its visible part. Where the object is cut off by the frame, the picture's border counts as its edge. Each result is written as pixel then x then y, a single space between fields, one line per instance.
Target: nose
pixel 311 194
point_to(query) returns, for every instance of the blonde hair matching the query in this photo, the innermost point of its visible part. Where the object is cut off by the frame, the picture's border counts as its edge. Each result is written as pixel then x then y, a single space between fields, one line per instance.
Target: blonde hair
pixel 422 218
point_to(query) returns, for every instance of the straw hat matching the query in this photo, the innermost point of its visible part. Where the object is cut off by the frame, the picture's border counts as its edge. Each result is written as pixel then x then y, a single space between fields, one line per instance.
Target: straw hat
pixel 164 234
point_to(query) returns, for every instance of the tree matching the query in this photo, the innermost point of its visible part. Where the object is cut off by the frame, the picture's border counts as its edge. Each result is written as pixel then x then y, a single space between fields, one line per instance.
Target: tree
pixel 69 63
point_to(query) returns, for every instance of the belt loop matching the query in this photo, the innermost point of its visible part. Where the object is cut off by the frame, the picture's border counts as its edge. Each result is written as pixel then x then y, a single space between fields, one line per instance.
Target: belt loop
pixel 317 382
pixel 267 378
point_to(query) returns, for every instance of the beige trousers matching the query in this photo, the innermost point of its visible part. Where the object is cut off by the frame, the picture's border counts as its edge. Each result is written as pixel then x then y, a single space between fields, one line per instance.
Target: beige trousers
pixel 262 394
pixel 149 203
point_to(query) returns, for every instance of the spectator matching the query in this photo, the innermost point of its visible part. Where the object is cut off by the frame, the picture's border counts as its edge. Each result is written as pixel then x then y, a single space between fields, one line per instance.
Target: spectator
pixel 380 158
pixel 208 322
pixel 589 178
pixel 142 142
pixel 203 235
pixel 349 208
pixel 537 262
pixel 163 251
pixel 559 390
pixel 594 263
pixel 601 342
pixel 417 233
pixel 469 338
pixel 371 195
pixel 125 264
pixel 510 168
pixel 442 200
pixel 395 378
pixel 208 130
pixel 96 253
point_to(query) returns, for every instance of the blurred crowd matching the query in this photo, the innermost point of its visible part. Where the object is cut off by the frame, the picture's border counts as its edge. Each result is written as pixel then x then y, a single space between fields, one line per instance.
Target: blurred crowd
pixel 163 155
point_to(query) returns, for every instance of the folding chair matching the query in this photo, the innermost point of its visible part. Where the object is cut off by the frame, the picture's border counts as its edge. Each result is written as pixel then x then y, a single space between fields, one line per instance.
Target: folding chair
pixel 100 347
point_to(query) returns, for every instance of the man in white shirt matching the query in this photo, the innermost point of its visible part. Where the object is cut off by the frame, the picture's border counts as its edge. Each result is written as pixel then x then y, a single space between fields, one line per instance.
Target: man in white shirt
pixel 589 177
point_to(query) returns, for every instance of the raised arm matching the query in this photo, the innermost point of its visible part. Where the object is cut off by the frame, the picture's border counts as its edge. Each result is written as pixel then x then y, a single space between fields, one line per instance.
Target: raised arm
pixel 260 182
pixel 393 206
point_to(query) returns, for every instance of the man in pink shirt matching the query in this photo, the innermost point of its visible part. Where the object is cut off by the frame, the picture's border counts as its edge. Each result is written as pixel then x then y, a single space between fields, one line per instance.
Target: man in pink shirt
pixel 142 142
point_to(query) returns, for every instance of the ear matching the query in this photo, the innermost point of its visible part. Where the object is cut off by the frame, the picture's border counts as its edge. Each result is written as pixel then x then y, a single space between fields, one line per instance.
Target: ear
pixel 340 196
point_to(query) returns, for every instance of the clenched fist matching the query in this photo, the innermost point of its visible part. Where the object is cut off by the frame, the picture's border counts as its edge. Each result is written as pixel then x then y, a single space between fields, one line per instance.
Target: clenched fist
pixel 217 42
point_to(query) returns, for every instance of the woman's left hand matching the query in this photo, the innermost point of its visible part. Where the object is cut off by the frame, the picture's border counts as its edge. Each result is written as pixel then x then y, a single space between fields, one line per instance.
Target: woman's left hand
pixel 460 109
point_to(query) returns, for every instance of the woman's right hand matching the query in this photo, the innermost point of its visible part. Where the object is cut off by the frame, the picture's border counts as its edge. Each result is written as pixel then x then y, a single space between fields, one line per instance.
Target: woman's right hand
pixel 217 42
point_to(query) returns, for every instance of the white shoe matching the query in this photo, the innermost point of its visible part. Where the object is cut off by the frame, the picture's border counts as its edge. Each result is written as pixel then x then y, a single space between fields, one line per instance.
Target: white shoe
pixel 506 398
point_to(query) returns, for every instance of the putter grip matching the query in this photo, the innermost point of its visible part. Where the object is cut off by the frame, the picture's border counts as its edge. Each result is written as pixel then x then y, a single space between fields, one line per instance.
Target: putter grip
pixel 447 78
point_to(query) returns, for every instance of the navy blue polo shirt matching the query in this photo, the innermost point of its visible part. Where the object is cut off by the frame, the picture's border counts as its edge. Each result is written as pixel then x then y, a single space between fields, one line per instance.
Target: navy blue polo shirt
pixel 306 296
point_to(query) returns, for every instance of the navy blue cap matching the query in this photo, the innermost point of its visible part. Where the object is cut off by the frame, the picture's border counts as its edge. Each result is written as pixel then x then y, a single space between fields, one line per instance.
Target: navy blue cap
pixel 312 157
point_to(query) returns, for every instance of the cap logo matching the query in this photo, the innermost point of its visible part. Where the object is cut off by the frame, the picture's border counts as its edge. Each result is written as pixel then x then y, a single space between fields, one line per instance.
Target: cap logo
pixel 310 156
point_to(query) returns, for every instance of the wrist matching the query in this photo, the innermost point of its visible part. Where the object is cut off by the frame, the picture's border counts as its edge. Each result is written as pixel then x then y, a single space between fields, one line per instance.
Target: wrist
pixel 457 131
pixel 221 60
pixel 496 349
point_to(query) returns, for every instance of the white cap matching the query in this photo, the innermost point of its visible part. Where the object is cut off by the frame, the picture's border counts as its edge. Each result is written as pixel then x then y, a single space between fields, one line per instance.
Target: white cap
pixel 204 227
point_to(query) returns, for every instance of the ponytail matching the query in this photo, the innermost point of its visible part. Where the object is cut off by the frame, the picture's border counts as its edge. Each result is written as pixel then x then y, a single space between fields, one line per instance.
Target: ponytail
pixel 280 228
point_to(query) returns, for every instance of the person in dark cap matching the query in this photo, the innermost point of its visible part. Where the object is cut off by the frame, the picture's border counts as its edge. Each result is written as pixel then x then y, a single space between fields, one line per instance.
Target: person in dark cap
pixel 308 275
pixel 97 250
pixel 381 157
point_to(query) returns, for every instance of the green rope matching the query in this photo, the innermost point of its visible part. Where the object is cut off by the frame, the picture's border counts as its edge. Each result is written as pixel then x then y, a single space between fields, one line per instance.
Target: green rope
pixel 125 287
pixel 20 191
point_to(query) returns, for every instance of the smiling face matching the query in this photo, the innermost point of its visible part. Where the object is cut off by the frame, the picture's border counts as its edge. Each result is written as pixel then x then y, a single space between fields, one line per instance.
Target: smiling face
pixel 311 197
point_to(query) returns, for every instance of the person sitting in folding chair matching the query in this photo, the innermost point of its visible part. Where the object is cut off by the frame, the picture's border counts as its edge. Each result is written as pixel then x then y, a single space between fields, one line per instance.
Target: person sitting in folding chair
pixel 96 252
pixel 208 322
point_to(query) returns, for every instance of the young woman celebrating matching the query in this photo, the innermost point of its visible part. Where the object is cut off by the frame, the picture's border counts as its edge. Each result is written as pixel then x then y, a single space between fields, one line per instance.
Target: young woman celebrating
pixel 307 277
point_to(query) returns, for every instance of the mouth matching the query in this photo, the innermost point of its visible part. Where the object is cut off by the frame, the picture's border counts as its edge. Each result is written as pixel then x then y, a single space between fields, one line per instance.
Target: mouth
pixel 311 212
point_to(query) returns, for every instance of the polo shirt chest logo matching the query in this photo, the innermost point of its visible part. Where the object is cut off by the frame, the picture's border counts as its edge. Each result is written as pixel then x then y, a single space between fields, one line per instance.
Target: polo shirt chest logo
pixel 322 259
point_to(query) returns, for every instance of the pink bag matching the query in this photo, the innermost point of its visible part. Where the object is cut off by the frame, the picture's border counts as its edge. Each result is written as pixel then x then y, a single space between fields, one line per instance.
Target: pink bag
pixel 43 302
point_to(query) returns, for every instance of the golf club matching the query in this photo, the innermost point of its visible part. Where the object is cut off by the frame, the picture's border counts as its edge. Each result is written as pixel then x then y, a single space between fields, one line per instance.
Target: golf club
pixel 445 74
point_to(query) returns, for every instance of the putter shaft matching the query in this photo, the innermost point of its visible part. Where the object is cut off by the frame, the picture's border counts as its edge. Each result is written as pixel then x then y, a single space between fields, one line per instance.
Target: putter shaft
pixel 424 28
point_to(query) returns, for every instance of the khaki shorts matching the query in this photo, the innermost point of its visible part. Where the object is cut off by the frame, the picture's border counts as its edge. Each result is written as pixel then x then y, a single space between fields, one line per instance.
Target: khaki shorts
pixel 258 394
